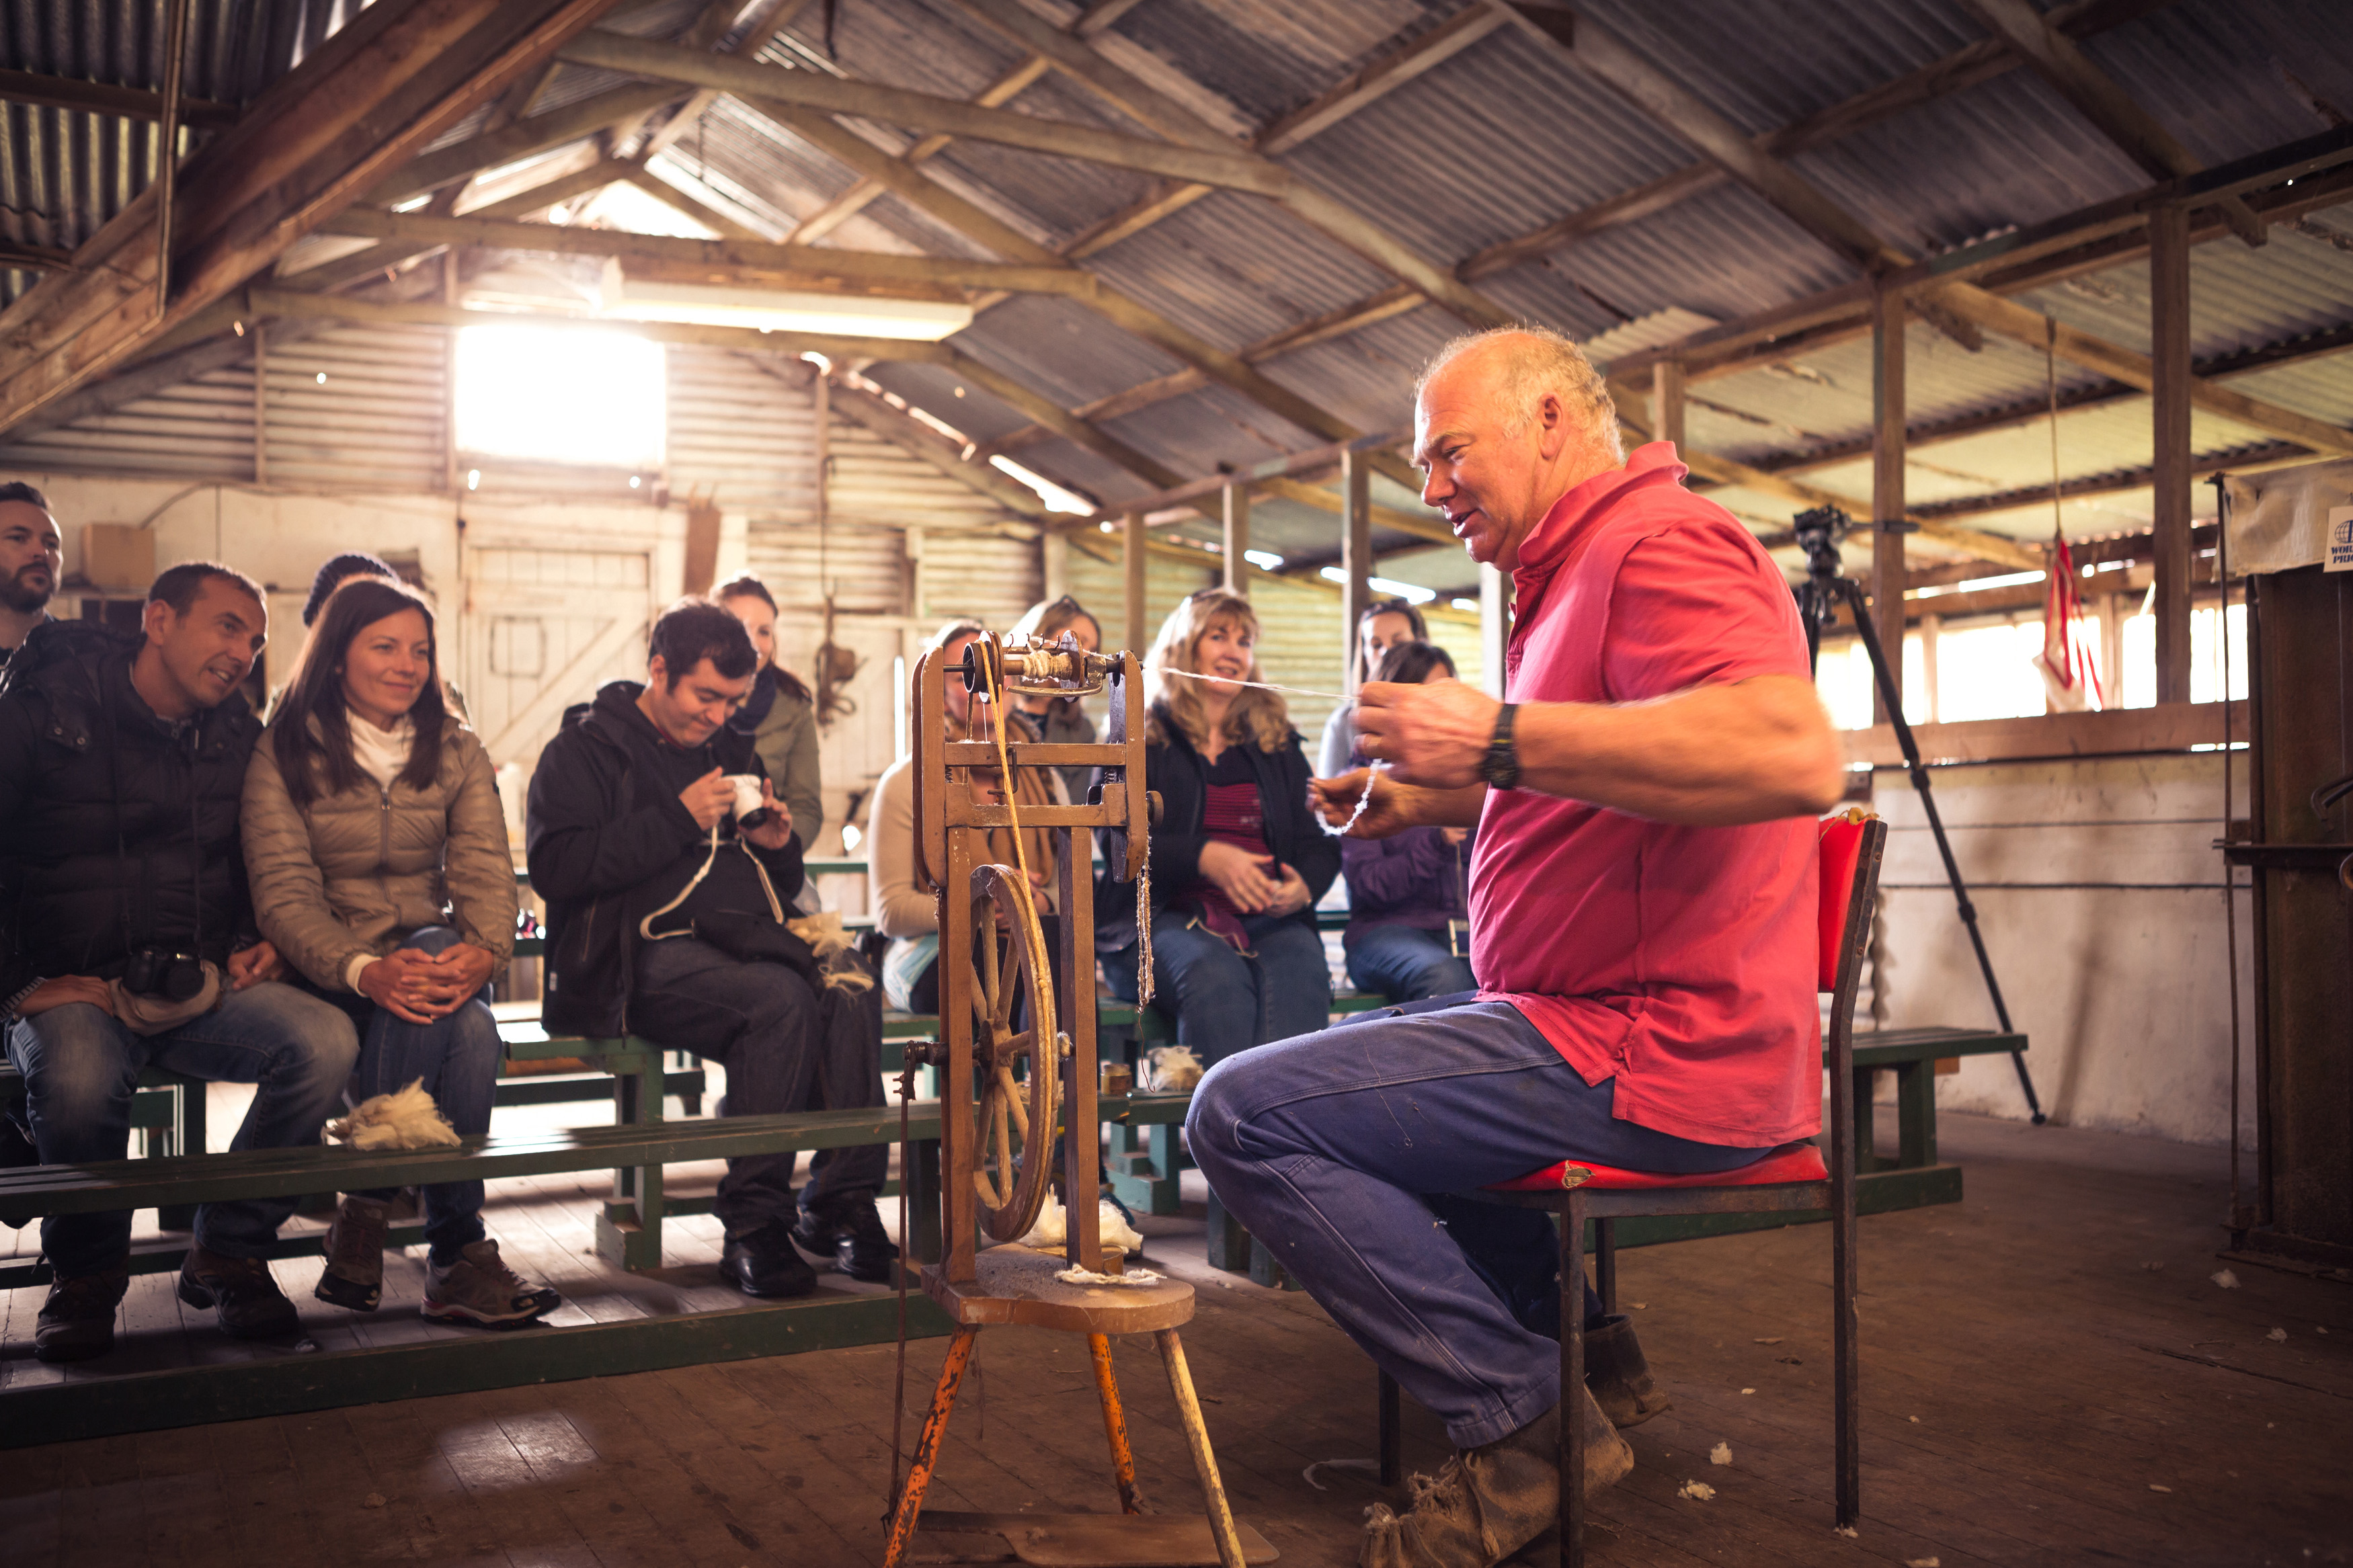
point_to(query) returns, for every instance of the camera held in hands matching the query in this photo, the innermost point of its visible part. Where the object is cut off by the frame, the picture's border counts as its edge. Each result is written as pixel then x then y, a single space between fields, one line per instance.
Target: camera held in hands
pixel 160 971
pixel 750 812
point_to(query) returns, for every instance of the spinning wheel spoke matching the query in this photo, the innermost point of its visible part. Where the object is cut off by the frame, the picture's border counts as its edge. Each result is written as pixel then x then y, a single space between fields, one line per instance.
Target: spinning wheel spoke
pixel 1011 1114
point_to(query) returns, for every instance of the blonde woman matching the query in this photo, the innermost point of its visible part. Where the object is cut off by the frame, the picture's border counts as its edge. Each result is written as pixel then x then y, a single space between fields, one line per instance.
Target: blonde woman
pixel 1238 861
pixel 1061 721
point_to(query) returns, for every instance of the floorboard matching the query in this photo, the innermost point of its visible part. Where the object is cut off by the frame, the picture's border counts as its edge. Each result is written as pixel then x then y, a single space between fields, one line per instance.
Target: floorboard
pixel 2025 1393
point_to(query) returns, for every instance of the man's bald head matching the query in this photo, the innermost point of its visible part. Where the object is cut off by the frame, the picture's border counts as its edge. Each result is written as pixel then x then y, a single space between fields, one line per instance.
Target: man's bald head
pixel 1505 423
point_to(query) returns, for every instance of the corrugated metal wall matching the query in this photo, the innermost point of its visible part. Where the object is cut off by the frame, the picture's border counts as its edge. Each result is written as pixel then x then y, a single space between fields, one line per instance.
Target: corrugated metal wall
pixel 866 568
pixel 201 428
pixel 745 432
pixel 989 578
pixel 872 481
pixel 358 408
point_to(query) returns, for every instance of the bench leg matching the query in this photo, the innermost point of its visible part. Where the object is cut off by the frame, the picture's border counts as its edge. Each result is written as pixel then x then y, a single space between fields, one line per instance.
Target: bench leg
pixel 628 1231
pixel 1230 1244
pixel 1866 1156
pixel 1915 1115
pixel 924 1202
pixel 1392 1434
pixel 187 1138
pixel 689 1103
pixel 1144 1161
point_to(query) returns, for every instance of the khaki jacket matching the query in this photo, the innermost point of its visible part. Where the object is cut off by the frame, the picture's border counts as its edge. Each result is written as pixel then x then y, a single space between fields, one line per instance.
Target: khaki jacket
pixel 359 871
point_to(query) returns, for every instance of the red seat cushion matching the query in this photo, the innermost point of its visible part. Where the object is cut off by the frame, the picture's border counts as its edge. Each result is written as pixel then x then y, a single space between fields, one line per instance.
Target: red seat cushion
pixel 1790 1162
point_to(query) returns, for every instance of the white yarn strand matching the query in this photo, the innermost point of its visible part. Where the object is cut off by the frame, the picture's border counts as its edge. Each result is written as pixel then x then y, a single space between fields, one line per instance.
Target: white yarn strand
pixel 1372 771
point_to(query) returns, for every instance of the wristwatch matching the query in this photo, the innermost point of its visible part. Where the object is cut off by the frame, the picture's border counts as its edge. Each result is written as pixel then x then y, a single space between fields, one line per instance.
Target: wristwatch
pixel 1501 765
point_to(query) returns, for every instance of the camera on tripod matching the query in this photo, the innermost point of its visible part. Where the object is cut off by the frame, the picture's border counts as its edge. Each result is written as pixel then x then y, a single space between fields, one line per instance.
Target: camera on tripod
pixel 160 971
pixel 1818 531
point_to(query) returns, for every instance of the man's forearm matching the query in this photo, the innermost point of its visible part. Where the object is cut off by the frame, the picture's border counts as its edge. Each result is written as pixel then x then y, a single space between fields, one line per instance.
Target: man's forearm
pixel 1424 807
pixel 1713 756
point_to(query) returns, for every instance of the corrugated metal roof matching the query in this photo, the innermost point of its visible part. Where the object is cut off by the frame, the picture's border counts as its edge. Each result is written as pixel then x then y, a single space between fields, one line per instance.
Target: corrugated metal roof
pixel 1500 139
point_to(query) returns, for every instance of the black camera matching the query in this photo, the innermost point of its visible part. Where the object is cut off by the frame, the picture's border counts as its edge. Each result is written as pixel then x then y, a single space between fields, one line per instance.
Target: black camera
pixel 160 971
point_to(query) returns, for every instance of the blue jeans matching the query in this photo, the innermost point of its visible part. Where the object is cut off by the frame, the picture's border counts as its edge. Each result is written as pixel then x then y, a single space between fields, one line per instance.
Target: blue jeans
pixel 458 1058
pixel 1325 1146
pixel 1226 1001
pixel 1406 964
pixel 81 1067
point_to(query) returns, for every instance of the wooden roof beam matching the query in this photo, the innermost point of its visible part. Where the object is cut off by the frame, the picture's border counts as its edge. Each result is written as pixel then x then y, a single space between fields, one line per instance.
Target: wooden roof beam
pixel 104 97
pixel 359 107
pixel 727 259
pixel 1333 218
pixel 2097 97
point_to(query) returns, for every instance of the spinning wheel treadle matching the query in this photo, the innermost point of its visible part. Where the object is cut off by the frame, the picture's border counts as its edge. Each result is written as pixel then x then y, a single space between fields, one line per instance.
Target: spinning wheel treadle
pixel 1025 1106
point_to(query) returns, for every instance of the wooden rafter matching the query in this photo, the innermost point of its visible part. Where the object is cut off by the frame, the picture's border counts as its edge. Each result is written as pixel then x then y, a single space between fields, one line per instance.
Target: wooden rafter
pixel 2097 97
pixel 103 97
pixel 362 105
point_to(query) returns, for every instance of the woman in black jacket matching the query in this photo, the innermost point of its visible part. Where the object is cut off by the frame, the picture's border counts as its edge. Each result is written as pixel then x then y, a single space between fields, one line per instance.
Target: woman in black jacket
pixel 1238 860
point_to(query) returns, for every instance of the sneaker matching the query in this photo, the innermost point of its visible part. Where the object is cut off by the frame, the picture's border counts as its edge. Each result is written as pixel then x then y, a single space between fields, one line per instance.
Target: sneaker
pixel 354 1277
pixel 765 1263
pixel 77 1321
pixel 1617 1374
pixel 481 1291
pixel 851 1231
pixel 251 1305
pixel 1487 1502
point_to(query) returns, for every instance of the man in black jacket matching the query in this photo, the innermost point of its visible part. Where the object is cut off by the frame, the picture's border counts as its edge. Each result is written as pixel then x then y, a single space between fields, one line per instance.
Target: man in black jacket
pixel 32 558
pixel 123 910
pixel 665 917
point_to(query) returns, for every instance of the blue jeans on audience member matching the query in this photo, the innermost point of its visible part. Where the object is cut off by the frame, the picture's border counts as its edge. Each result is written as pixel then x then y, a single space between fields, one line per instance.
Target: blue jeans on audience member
pixel 457 1056
pixel 1406 964
pixel 1332 1148
pixel 81 1068
pixel 1227 1001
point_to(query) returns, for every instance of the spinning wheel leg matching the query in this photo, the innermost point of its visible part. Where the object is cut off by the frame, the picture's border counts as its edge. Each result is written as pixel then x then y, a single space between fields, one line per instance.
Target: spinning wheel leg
pixel 1123 1463
pixel 1196 1434
pixel 927 1449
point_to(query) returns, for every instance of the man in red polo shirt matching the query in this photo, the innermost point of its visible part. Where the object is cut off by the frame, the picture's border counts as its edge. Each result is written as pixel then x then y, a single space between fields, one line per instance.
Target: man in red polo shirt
pixel 1642 931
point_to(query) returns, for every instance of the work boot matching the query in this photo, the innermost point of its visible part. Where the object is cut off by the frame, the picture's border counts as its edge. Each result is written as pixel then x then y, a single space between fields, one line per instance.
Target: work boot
pixel 251 1305
pixel 851 1231
pixel 1487 1502
pixel 354 1277
pixel 481 1291
pixel 77 1321
pixel 765 1263
pixel 1618 1376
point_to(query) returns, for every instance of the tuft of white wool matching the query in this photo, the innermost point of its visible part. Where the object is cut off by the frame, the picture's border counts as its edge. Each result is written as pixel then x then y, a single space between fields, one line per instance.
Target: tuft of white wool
pixel 406 1119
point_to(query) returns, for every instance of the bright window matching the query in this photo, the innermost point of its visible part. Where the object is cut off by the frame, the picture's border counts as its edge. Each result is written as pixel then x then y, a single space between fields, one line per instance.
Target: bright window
pixel 560 394
pixel 1843 678
pixel 1989 672
pixel 2205 657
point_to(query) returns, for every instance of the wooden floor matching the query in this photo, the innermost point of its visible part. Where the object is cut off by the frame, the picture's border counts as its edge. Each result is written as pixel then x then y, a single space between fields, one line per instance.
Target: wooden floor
pixel 2050 1377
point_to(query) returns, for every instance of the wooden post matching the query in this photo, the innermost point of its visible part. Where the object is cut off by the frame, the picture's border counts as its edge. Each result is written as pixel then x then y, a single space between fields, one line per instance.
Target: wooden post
pixel 1356 557
pixel 1667 402
pixel 1931 628
pixel 2168 353
pixel 260 402
pixel 1887 575
pixel 451 289
pixel 2112 610
pixel 1236 540
pixel 1495 627
pixel 1139 635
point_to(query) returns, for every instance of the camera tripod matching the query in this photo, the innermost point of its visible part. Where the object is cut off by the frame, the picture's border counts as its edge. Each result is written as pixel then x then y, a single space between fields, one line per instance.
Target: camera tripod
pixel 1818 598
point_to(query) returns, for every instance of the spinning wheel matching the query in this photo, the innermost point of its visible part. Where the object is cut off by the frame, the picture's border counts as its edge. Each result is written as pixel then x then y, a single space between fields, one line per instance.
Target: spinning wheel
pixel 1004 992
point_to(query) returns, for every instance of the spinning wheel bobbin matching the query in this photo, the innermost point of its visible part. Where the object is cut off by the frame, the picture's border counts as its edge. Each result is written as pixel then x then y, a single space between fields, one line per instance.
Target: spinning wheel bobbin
pixel 1018 1054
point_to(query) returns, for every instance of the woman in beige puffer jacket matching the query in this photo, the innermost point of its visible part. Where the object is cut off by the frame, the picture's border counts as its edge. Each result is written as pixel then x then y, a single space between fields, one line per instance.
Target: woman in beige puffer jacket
pixel 378 858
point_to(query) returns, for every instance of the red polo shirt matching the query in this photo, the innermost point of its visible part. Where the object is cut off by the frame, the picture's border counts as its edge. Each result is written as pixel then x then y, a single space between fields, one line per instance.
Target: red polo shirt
pixel 1679 961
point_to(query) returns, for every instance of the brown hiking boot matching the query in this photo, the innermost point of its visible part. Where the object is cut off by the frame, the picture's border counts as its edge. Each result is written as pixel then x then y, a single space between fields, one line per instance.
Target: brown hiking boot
pixel 77 1321
pixel 1619 1376
pixel 1487 1502
pixel 354 1277
pixel 481 1291
pixel 251 1305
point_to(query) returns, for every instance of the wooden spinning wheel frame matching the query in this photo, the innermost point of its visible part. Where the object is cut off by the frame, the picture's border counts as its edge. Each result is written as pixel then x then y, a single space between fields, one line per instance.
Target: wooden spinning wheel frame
pixel 1017 1063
